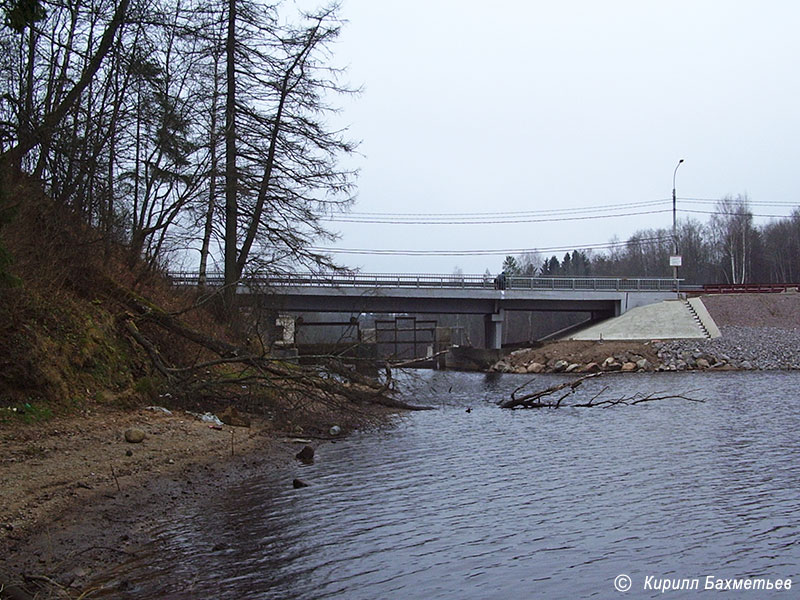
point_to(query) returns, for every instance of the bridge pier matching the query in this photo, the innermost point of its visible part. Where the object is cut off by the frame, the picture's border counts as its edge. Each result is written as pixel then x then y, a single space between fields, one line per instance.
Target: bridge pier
pixel 494 329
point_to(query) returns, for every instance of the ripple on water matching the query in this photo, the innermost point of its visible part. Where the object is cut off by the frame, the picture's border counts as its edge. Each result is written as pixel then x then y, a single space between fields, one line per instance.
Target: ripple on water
pixel 510 504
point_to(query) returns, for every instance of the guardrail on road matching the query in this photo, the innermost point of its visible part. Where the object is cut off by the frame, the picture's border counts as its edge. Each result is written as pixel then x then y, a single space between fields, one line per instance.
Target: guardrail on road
pixel 420 280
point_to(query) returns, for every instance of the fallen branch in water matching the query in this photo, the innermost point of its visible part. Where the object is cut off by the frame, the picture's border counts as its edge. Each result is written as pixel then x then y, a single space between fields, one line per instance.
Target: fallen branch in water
pixel 532 400
pixel 541 398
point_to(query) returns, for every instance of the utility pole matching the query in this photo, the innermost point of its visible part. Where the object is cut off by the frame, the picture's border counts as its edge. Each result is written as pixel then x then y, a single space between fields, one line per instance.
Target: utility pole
pixel 675 260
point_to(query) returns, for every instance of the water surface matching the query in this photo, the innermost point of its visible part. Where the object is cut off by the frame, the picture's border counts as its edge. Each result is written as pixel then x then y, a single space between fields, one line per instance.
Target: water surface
pixel 511 504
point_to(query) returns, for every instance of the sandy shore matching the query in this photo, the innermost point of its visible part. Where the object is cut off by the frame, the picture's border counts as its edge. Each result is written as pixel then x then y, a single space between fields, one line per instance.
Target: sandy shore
pixel 76 497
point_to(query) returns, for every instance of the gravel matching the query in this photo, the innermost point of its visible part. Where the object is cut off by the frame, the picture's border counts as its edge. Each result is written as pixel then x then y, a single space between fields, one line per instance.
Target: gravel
pixel 741 347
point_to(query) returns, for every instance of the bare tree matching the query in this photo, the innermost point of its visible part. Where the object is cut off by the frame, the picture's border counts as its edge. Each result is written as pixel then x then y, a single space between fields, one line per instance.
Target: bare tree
pixel 733 233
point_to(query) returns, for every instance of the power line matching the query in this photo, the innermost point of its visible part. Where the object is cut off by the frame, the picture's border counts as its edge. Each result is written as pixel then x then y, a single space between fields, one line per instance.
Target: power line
pixel 625 205
pixel 484 221
pixel 540 216
pixel 493 252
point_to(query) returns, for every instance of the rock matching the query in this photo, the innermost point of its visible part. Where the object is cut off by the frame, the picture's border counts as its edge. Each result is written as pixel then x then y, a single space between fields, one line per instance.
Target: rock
pixel 299 483
pixel 644 364
pixel 702 363
pixel 335 430
pixel 128 452
pixel 134 435
pixel 306 454
pixel 611 364
pixel 592 367
pixel 572 367
pixel 746 364
pixel 520 370
pixel 535 367
pixel 231 416
pixel 628 367
pixel 560 365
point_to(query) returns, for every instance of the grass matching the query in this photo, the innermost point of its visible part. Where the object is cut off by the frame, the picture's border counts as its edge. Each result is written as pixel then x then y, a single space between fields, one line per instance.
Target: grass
pixel 27 413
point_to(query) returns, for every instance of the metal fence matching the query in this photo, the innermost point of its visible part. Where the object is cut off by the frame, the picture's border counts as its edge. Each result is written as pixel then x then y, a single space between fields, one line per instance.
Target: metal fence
pixel 420 280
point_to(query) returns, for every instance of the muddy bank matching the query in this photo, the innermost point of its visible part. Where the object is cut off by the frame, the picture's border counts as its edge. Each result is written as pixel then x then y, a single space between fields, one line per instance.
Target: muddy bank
pixel 77 498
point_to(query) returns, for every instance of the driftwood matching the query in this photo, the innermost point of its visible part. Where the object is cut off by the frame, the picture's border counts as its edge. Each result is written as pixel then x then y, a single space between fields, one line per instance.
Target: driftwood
pixel 533 400
pixel 540 399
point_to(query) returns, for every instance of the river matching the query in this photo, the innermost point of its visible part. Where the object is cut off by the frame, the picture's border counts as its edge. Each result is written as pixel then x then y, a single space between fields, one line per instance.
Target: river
pixel 497 503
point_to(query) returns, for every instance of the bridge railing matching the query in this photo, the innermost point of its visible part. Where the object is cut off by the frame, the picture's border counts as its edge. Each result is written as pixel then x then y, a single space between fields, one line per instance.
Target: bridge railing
pixel 426 280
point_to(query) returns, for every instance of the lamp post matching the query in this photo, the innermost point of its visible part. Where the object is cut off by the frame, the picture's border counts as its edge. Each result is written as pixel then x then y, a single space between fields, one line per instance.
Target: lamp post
pixel 675 226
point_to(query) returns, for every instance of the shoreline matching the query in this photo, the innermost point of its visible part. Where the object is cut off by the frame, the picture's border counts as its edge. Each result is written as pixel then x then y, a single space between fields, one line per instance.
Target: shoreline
pixel 67 516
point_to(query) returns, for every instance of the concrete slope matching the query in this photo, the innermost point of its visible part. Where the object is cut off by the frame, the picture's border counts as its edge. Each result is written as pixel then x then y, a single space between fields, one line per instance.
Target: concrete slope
pixel 671 319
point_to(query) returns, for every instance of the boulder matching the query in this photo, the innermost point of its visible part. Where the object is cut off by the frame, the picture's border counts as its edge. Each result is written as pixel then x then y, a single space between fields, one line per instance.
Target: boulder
pixel 306 454
pixel 628 367
pixel 592 367
pixel 298 483
pixel 134 435
pixel 230 416
pixel 535 367
pixel 644 364
pixel 560 365
pixel 702 363
pixel 573 367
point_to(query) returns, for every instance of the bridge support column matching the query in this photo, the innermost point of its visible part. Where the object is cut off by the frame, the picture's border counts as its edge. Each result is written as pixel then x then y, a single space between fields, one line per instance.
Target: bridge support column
pixel 494 329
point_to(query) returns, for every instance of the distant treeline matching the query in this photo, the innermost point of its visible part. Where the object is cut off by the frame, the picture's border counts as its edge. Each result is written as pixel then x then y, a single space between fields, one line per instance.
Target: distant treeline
pixel 729 248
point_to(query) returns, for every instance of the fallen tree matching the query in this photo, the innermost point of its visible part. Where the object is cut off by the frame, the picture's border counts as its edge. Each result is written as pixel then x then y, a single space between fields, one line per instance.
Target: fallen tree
pixel 219 365
pixel 546 398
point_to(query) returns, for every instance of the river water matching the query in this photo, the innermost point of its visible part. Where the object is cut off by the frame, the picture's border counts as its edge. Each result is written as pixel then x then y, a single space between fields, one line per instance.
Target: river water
pixel 496 503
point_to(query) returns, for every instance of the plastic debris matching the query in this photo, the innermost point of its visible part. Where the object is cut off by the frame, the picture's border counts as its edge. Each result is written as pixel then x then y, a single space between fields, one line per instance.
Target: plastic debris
pixel 207 418
pixel 166 411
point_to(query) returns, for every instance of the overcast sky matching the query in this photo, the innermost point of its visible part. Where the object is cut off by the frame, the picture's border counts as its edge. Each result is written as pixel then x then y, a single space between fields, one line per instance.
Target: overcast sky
pixel 510 106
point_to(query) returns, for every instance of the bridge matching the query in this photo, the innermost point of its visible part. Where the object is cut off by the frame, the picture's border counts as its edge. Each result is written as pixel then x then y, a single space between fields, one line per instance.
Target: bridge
pixel 446 294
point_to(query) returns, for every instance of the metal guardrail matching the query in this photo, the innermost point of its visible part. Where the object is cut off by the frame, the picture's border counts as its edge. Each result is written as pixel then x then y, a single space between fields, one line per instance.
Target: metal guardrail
pixel 406 280
pixel 747 288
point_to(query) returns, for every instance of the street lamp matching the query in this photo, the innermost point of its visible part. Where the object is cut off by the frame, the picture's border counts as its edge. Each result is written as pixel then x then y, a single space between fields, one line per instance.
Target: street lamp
pixel 675 260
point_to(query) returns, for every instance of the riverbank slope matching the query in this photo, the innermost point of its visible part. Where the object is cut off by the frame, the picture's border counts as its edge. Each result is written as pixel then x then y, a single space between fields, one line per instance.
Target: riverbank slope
pixel 87 341
pixel 758 331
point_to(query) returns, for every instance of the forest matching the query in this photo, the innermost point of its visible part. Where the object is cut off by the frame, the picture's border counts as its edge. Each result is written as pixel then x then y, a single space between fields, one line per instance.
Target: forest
pixel 182 130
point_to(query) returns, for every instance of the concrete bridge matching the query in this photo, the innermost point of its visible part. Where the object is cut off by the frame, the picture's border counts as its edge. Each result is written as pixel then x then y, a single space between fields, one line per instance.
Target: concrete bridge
pixel 447 294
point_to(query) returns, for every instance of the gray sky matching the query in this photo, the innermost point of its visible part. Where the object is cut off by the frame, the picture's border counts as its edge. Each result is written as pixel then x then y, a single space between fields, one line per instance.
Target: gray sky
pixel 508 106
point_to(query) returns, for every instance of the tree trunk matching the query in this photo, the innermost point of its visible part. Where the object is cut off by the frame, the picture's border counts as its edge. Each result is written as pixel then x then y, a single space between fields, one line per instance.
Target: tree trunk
pixel 231 178
pixel 212 184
